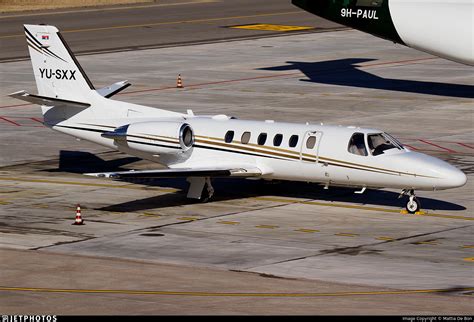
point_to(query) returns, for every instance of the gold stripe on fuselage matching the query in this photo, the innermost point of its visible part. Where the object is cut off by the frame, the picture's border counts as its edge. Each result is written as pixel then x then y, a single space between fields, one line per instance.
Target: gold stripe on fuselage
pixel 345 164
pixel 245 148
pixel 279 152
pixel 259 146
pixel 291 158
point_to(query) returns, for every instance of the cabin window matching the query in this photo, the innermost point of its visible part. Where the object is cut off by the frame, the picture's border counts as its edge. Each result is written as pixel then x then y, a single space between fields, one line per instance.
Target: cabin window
pixel 311 142
pixel 277 139
pixel 357 144
pixel 245 138
pixel 380 142
pixel 293 141
pixel 262 138
pixel 229 136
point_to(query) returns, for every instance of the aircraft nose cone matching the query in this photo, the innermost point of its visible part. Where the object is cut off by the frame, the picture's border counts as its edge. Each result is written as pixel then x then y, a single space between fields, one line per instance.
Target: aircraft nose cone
pixel 443 175
pixel 455 178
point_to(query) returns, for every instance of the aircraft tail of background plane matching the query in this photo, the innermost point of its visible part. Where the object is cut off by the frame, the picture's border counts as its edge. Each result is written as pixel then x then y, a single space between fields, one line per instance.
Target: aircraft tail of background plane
pixel 441 28
pixel 57 72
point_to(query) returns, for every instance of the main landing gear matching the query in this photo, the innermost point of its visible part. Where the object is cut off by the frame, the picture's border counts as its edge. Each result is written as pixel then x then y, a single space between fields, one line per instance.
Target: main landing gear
pixel 413 205
pixel 207 191
pixel 200 188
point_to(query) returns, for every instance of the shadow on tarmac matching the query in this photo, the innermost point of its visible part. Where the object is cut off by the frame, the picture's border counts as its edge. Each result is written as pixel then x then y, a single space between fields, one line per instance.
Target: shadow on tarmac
pixel 345 72
pixel 84 162
pixel 232 189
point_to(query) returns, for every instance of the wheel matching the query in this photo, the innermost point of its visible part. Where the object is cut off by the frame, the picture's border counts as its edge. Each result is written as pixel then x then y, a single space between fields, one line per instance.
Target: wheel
pixel 413 205
pixel 207 193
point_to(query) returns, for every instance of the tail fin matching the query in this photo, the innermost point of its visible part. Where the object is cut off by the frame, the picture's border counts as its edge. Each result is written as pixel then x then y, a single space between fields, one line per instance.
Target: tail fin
pixel 57 72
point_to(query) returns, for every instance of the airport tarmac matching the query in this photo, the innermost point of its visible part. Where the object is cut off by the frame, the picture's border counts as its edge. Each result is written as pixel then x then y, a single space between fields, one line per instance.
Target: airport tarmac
pixel 166 23
pixel 297 247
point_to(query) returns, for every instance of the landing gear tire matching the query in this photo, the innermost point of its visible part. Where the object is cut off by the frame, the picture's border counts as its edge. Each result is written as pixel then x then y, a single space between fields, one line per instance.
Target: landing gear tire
pixel 413 205
pixel 207 192
pixel 205 195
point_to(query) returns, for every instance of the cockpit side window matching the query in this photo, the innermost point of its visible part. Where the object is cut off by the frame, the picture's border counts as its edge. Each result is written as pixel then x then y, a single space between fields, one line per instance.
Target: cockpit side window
pixel 380 142
pixel 357 144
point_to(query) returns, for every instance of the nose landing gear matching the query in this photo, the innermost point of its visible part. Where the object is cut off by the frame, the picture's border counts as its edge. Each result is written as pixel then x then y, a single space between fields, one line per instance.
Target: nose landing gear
pixel 413 205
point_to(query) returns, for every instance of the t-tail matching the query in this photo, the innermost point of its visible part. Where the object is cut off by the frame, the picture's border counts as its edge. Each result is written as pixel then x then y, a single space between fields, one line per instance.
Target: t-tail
pixel 64 90
pixel 65 93
pixel 57 72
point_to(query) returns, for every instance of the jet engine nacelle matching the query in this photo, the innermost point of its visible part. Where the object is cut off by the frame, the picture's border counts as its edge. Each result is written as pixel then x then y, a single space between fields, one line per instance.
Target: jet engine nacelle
pixel 163 139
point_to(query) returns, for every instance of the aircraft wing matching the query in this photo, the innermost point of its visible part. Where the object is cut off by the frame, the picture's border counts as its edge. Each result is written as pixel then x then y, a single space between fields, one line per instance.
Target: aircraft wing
pixel 48 101
pixel 181 172
pixel 111 90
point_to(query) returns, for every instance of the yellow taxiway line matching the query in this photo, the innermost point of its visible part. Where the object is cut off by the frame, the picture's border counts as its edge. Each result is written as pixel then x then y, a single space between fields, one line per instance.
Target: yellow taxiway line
pixel 188 218
pixel 339 205
pixel 229 222
pixel 304 230
pixel 229 294
pixel 267 226
pixel 86 184
pixel 385 238
pixel 272 199
pixel 347 234
pixel 272 27
pixel 166 23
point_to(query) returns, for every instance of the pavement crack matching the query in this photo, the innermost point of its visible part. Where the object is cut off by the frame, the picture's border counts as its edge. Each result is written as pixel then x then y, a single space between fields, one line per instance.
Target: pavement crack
pixel 360 249
pixel 62 243
pixel 158 227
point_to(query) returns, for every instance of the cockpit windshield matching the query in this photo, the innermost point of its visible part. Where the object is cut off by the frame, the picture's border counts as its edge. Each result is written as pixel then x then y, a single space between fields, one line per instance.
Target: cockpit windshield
pixel 380 142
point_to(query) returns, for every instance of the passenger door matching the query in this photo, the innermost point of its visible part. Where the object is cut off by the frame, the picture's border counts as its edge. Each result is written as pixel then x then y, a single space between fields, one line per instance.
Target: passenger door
pixel 309 151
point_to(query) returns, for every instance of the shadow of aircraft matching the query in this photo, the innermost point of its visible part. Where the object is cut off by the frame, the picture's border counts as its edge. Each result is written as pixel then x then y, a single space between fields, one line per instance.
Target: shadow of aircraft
pixel 234 189
pixel 345 72
pixel 230 189
pixel 84 162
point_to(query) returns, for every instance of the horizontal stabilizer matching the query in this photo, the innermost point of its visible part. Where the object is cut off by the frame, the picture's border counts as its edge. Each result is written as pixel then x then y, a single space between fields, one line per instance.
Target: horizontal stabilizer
pixel 183 172
pixel 111 90
pixel 47 101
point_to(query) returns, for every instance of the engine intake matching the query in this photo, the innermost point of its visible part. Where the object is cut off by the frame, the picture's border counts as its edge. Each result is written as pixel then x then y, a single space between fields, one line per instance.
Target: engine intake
pixel 186 136
pixel 160 137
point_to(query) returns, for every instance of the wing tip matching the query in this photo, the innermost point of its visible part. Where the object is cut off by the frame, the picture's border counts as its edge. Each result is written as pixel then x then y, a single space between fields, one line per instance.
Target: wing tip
pixel 19 93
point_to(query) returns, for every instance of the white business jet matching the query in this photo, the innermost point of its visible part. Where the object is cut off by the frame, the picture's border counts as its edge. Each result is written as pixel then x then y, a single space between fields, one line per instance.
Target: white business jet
pixel 203 147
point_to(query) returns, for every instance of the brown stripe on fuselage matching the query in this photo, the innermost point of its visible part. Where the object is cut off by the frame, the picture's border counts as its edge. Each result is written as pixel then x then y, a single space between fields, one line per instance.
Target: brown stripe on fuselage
pixel 281 152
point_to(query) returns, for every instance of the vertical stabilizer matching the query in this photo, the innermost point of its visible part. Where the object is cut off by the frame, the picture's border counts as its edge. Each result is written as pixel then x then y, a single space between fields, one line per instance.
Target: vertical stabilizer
pixel 57 72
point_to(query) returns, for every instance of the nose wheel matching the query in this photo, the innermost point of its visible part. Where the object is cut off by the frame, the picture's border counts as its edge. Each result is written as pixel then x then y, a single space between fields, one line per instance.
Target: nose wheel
pixel 413 205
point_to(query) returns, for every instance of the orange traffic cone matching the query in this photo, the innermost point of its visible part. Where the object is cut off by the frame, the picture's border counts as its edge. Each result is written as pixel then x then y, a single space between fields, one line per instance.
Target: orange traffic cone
pixel 79 220
pixel 179 83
